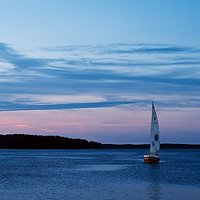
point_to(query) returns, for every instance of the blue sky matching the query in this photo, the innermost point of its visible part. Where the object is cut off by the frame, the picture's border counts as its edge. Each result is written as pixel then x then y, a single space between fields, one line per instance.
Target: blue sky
pixel 90 69
pixel 48 22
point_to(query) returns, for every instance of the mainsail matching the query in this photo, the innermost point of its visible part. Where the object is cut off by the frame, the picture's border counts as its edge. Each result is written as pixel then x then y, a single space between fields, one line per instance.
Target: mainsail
pixel 155 138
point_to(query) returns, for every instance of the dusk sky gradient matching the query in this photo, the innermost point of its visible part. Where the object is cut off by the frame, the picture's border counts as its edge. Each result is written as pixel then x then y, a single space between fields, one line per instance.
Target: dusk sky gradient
pixel 90 69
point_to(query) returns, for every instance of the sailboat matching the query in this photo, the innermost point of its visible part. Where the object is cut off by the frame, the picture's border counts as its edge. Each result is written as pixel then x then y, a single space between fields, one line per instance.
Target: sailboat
pixel 153 155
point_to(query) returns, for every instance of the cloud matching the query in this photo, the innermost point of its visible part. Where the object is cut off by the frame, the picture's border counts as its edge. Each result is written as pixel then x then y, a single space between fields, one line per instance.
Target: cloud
pixel 126 49
pixel 8 54
pixel 6 106
pixel 117 70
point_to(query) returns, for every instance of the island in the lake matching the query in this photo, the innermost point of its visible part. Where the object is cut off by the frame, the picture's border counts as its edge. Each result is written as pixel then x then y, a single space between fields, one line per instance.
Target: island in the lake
pixel 23 141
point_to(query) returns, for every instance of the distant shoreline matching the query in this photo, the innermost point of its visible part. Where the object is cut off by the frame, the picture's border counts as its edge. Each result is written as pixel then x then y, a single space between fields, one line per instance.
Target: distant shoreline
pixel 21 141
pixel 146 146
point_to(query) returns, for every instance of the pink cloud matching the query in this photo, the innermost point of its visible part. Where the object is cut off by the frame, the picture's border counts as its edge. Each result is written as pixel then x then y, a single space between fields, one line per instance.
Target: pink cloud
pixel 109 125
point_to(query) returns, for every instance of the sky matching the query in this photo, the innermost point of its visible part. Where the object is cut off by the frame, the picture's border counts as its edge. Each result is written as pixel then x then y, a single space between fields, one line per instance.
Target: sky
pixel 90 69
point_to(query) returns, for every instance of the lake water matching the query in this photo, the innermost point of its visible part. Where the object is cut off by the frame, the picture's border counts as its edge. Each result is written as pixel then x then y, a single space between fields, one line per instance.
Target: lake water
pixel 98 175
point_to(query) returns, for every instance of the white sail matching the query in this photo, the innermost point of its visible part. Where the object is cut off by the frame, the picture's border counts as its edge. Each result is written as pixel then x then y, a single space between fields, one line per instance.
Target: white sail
pixel 155 137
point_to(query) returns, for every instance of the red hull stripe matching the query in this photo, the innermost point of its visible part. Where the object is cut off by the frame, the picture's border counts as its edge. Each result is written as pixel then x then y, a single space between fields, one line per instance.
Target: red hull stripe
pixel 151 160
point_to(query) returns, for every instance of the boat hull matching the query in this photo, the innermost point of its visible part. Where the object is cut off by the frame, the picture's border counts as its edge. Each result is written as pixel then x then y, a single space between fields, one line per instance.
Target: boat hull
pixel 151 159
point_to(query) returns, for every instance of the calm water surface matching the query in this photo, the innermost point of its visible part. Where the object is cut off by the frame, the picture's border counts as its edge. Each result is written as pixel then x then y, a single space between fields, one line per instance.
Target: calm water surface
pixel 98 175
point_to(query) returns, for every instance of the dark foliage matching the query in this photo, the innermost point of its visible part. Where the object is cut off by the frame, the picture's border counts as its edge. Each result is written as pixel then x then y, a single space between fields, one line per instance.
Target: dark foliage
pixel 20 141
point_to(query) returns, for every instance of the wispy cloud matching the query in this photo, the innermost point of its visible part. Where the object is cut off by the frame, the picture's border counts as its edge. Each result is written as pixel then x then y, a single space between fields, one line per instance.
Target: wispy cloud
pixel 118 70
pixel 19 61
pixel 127 48
pixel 6 106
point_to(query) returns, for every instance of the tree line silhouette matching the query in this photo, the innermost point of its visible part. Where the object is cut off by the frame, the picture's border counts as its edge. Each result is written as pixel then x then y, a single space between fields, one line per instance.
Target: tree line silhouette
pixel 26 141
pixel 21 141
